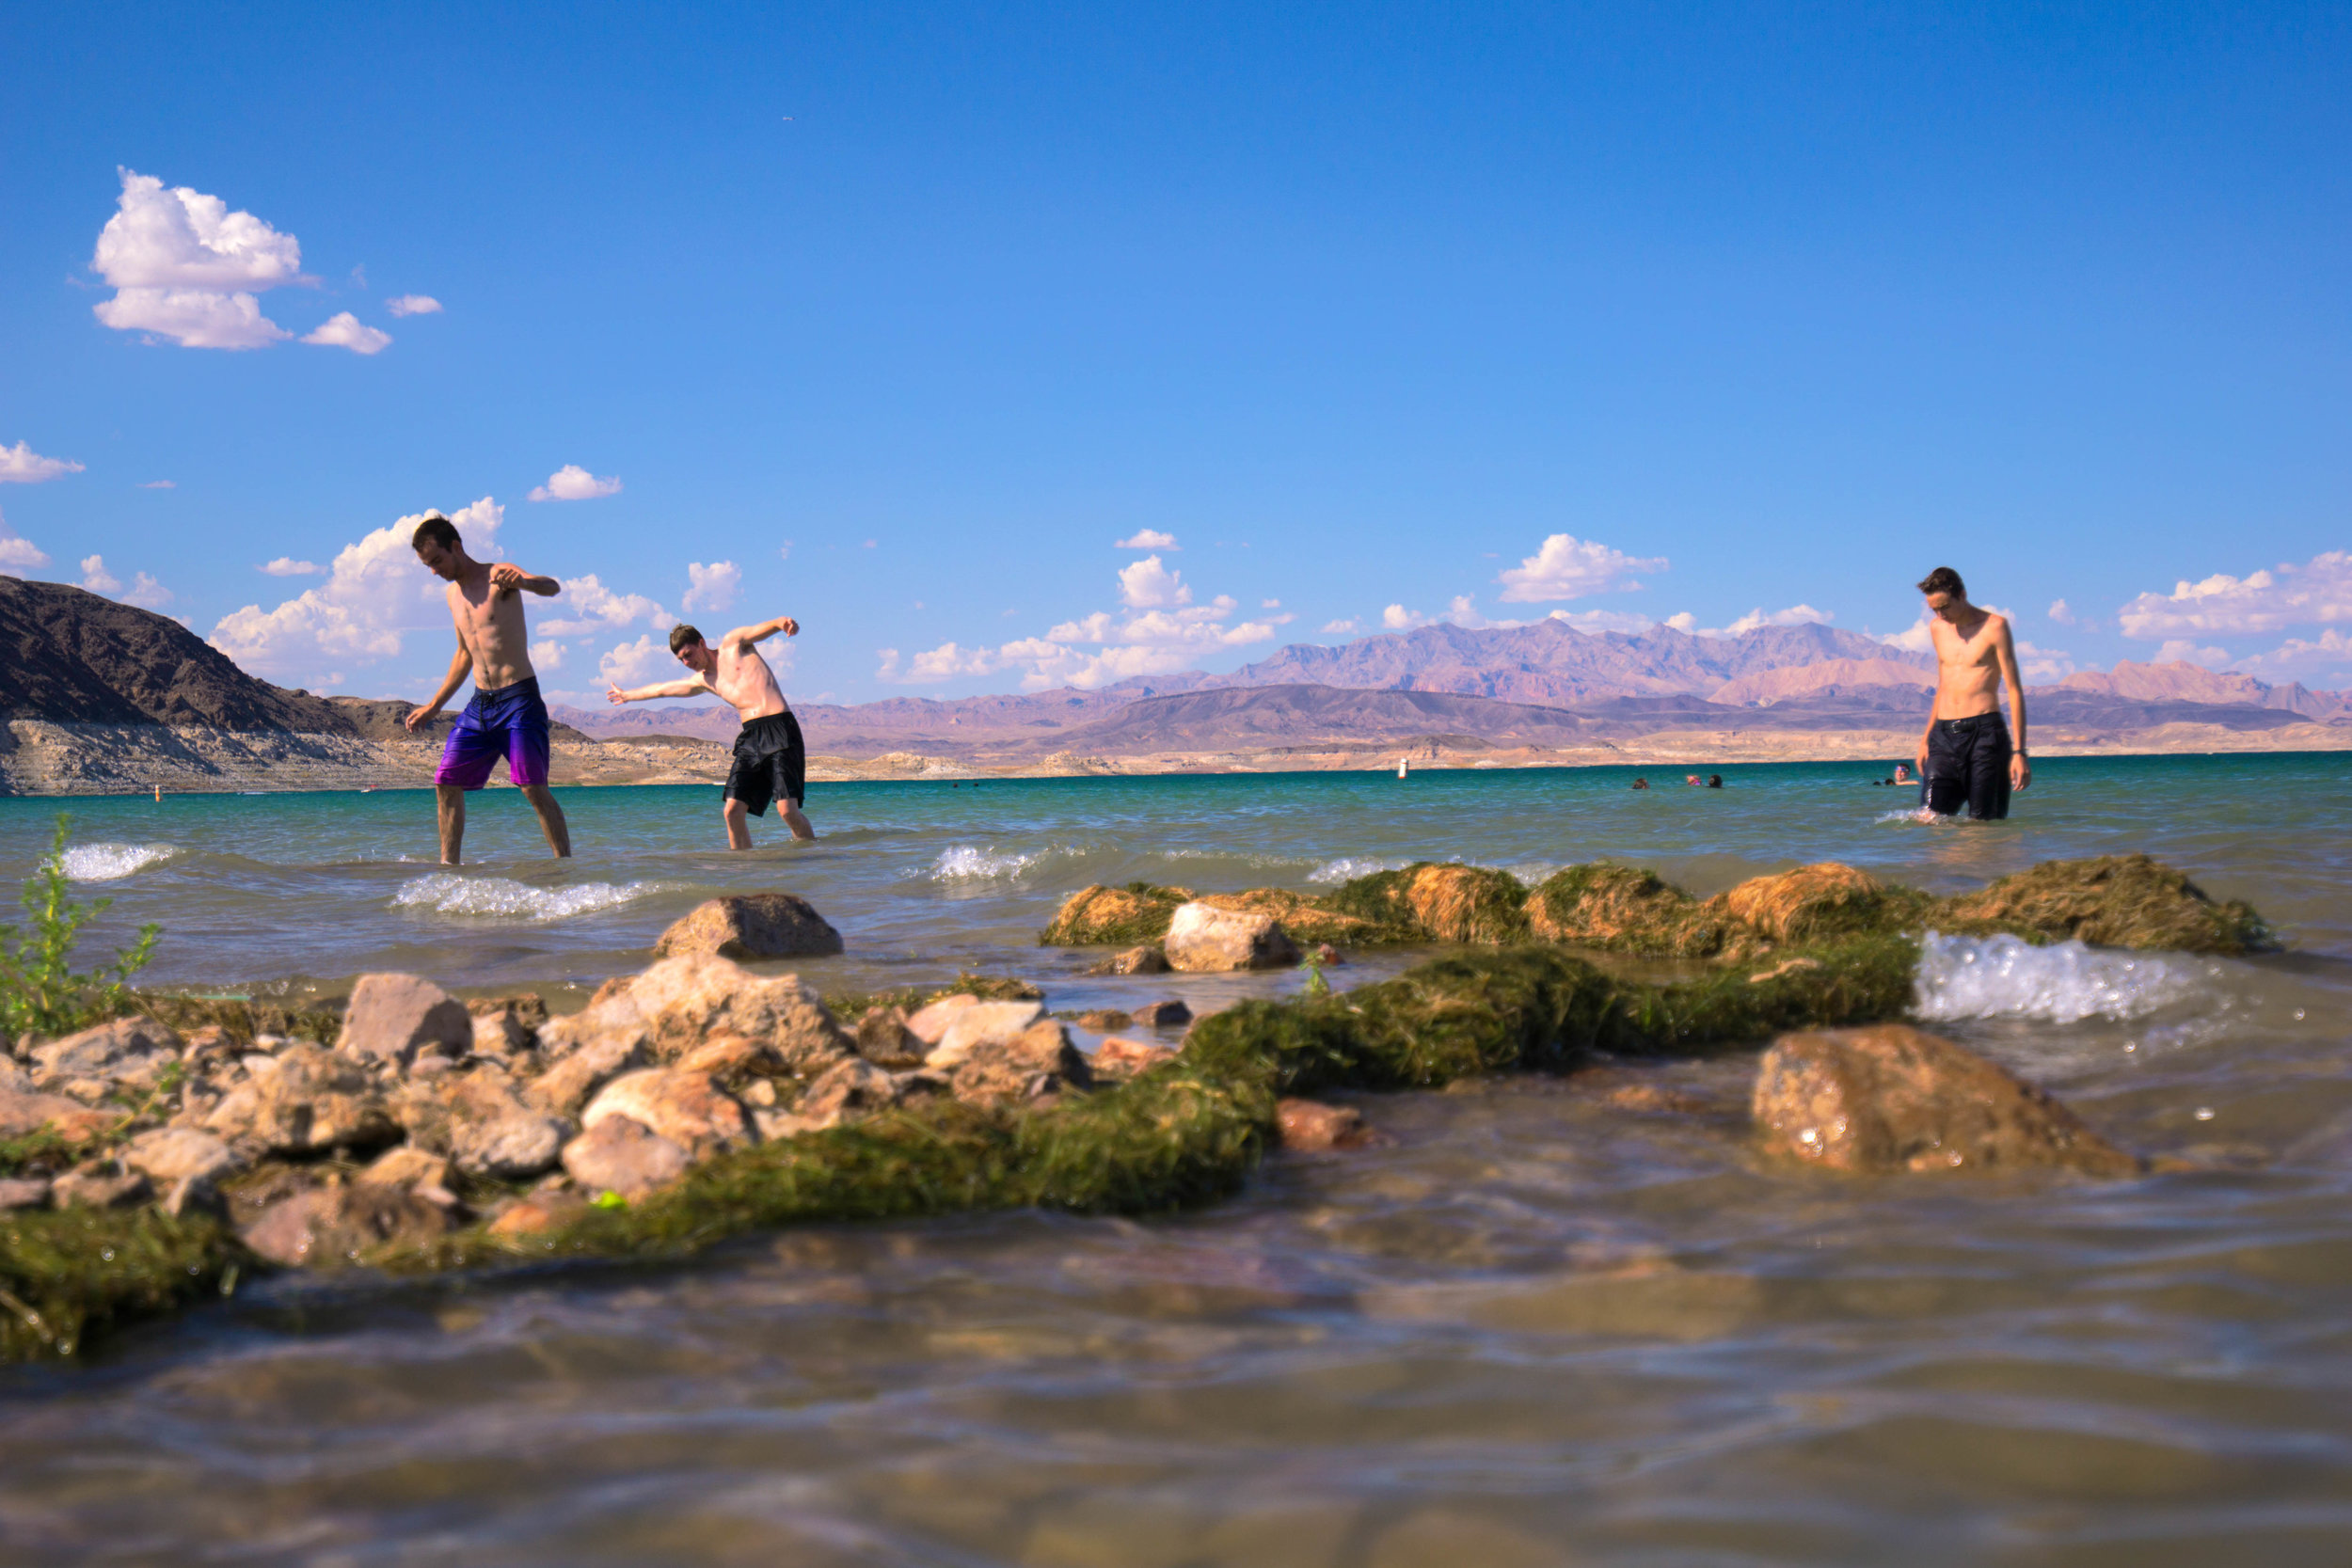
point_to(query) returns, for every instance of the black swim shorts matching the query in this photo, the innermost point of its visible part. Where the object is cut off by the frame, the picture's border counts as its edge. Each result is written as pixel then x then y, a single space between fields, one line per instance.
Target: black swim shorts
pixel 1968 763
pixel 770 762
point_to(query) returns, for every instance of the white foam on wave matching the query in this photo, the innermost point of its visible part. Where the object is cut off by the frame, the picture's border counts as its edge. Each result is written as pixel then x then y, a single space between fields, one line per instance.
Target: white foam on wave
pixel 446 893
pixel 2066 982
pixel 1348 867
pixel 106 863
pixel 969 863
pixel 1920 816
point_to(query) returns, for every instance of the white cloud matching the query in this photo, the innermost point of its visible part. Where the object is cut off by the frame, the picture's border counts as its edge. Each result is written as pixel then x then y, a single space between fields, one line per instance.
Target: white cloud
pixel 1340 629
pixel 2316 593
pixel 414 304
pixel 1795 615
pixel 1269 604
pixel 147 592
pixel 1600 620
pixel 2184 650
pixel 1567 567
pixel 159 485
pixel 2299 657
pixel 596 608
pixel 640 663
pixel 143 592
pixel 1918 637
pixel 1683 621
pixel 2059 614
pixel 21 464
pixel 376 593
pixel 96 578
pixel 546 656
pixel 344 330
pixel 287 566
pixel 1397 618
pixel 18 555
pixel 1147 584
pixel 185 268
pixel 785 553
pixel 572 483
pixel 2045 665
pixel 715 585
pixel 1150 539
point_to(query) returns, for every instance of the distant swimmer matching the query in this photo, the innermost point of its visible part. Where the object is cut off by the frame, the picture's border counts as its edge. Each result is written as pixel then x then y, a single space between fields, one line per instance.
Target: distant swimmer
pixel 1714 780
pixel 1965 754
pixel 1903 773
pixel 770 761
pixel 507 717
pixel 1641 784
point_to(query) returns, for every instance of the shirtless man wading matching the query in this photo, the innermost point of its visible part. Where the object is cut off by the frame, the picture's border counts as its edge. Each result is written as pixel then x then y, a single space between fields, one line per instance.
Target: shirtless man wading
pixel 770 763
pixel 506 718
pixel 1965 755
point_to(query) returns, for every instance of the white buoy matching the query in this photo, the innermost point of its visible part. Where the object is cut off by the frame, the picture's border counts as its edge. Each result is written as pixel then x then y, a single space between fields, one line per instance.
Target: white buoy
pixel 1400 768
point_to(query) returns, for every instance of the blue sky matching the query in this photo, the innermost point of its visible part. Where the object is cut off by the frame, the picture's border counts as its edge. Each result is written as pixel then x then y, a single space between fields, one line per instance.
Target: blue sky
pixel 899 321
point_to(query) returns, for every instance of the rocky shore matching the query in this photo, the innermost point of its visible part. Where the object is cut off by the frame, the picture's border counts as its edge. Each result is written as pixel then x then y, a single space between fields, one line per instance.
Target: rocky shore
pixel 169 1154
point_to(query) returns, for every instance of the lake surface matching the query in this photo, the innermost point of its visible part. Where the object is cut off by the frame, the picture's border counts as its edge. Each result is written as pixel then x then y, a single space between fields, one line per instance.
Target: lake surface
pixel 1537 1326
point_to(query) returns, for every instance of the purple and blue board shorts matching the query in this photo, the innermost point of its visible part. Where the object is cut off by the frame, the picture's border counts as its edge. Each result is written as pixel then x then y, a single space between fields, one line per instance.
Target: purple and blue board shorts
pixel 510 722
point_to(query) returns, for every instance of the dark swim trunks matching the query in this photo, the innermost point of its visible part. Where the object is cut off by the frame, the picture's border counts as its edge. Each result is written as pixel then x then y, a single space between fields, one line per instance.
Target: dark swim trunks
pixel 1967 764
pixel 510 722
pixel 770 762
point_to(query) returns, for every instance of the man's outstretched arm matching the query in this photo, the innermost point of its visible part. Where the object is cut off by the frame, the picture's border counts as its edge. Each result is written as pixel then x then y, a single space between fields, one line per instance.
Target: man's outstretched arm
pixel 764 630
pixel 690 687
pixel 507 575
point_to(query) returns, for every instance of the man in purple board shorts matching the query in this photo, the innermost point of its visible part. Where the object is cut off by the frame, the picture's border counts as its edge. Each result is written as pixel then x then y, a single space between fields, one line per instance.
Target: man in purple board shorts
pixel 507 717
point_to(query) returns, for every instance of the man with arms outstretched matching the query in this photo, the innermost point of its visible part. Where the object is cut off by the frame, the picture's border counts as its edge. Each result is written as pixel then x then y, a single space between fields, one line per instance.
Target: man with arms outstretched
pixel 507 717
pixel 1965 756
pixel 770 763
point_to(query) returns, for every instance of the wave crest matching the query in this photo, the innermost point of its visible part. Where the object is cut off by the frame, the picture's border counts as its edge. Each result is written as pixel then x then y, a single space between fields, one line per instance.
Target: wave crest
pixel 106 863
pixel 969 863
pixel 446 893
pixel 2065 982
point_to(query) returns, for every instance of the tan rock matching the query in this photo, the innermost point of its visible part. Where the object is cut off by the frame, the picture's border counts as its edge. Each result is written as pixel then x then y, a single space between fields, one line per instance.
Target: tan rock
pixel 128 1055
pixel 846 1092
pixel 1810 901
pixel 23 1192
pixel 332 1226
pixel 1171 1014
pixel 587 1051
pixel 99 1189
pixel 884 1038
pixel 929 1024
pixel 1101 1020
pixel 539 1213
pixel 733 1060
pixel 393 1017
pixel 1890 1098
pixel 23 1111
pixel 1133 960
pixel 621 1154
pixel 479 1120
pixel 690 1109
pixel 752 926
pixel 686 1000
pixel 1039 1061
pixel 307 1100
pixel 1310 1125
pixel 407 1167
pixel 502 1035
pixel 169 1155
pixel 1204 940
pixel 1116 1060
pixel 981 1023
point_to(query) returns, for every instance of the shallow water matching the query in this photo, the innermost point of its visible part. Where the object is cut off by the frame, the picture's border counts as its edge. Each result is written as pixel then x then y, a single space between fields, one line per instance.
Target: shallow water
pixel 1544 1324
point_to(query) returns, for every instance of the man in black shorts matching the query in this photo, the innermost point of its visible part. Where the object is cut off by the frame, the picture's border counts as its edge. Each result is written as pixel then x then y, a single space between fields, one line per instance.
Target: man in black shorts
pixel 1967 755
pixel 770 763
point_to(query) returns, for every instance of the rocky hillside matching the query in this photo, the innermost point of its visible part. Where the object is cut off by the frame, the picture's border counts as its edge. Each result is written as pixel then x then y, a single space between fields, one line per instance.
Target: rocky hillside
pixel 2181 682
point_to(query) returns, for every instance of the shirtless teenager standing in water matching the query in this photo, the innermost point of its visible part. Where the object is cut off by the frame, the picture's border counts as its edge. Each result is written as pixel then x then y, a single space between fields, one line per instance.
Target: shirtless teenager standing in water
pixel 507 717
pixel 1964 754
pixel 770 763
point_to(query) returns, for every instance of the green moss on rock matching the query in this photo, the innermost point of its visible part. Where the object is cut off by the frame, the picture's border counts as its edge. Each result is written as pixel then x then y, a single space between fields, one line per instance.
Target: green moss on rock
pixel 67 1274
pixel 1622 909
pixel 1449 903
pixel 1114 917
pixel 2114 901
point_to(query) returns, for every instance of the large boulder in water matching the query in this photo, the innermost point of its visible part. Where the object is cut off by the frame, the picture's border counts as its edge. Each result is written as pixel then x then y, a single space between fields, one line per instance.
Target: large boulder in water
pixel 1430 902
pixel 2113 901
pixel 1817 901
pixel 1114 917
pixel 1889 1097
pixel 752 926
pixel 1620 908
pixel 1202 939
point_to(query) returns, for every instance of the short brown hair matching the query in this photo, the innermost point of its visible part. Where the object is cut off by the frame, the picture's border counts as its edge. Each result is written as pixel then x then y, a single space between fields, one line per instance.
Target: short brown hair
pixel 682 636
pixel 437 529
pixel 1944 581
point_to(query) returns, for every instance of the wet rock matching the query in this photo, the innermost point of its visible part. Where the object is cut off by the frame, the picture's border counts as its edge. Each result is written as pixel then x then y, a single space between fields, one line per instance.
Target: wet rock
pixel 978 1025
pixel 539 1213
pixel 2113 901
pixel 407 1167
pixel 1310 1125
pixel 690 1109
pixel 587 1051
pixel 483 1123
pixel 1324 955
pixel 1116 1060
pixel 1814 901
pixel 846 1092
pixel 733 1060
pixel 1623 909
pixel 169 1155
pixel 621 1154
pixel 506 1028
pixel 1133 960
pixel 1205 940
pixel 1104 916
pixel 128 1055
pixel 307 1100
pixel 688 999
pixel 332 1226
pixel 752 926
pixel 1101 1020
pixel 394 1018
pixel 929 1025
pixel 97 1190
pixel 884 1040
pixel 23 1192
pixel 1037 1061
pixel 1171 1014
pixel 1890 1098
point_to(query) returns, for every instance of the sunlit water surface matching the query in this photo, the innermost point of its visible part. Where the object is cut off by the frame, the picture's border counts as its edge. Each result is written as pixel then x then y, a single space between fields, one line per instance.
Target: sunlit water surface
pixel 1536 1327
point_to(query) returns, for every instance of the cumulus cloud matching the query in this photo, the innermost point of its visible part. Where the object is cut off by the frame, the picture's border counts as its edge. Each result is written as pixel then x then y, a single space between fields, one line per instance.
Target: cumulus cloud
pixel 2045 665
pixel 2061 613
pixel 2314 594
pixel 21 464
pixel 547 657
pixel 143 592
pixel 715 585
pixel 639 663
pixel 2183 650
pixel 572 483
pixel 1755 619
pixel 414 304
pixel 1148 539
pixel 1397 618
pixel 1340 629
pixel 287 566
pixel 344 330
pixel 18 555
pixel 376 591
pixel 159 485
pixel 1683 621
pixel 96 578
pixel 1918 637
pixel 2302 659
pixel 593 607
pixel 1567 567
pixel 185 268
pixel 1147 584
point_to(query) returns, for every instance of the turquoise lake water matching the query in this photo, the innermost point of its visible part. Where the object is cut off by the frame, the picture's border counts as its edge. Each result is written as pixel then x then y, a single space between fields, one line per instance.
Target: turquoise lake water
pixel 1536 1327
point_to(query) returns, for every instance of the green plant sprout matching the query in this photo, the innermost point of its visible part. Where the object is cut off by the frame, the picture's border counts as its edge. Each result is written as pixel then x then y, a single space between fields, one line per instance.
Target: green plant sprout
pixel 39 993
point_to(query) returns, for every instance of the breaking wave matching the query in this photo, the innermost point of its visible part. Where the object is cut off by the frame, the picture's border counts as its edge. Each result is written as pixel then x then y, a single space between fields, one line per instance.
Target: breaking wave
pixel 1348 867
pixel 445 892
pixel 969 863
pixel 2066 982
pixel 106 863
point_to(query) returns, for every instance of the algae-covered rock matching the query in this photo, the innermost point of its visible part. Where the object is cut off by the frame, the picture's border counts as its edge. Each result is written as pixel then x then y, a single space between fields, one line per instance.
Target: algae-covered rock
pixel 2114 901
pixel 1814 902
pixel 1302 918
pixel 1101 916
pixel 1620 909
pixel 74 1271
pixel 1205 940
pixel 1890 1098
pixel 1428 902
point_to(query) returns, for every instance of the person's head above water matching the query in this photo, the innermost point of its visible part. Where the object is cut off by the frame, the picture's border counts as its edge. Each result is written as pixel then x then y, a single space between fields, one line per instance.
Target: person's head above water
pixel 438 546
pixel 692 651
pixel 1947 594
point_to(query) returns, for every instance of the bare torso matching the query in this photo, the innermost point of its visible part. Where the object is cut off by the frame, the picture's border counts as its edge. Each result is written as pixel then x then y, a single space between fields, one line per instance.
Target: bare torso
pixel 742 677
pixel 490 624
pixel 1967 666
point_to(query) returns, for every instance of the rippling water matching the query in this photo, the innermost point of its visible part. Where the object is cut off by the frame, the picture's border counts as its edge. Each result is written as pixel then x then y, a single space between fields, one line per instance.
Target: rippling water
pixel 1553 1323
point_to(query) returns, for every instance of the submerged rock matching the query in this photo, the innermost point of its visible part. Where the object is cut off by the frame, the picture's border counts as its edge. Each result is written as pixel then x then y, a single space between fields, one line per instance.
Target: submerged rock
pixel 752 926
pixel 331 1227
pixel 1133 960
pixel 1169 1014
pixel 1890 1098
pixel 394 1018
pixel 1202 939
pixel 1309 1125
pixel 1118 1059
